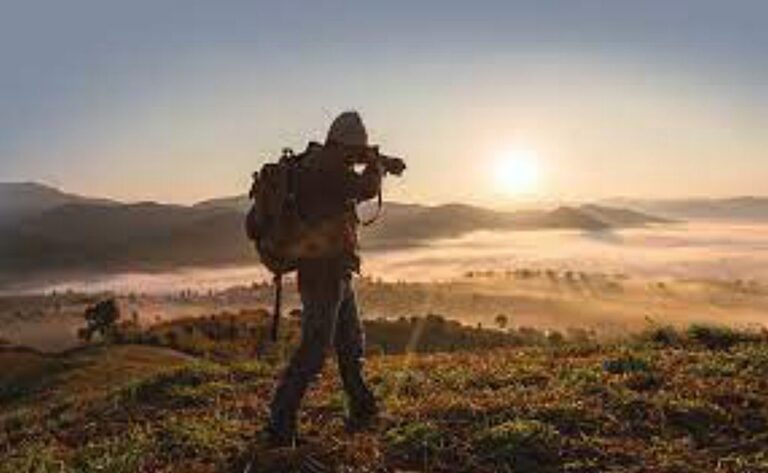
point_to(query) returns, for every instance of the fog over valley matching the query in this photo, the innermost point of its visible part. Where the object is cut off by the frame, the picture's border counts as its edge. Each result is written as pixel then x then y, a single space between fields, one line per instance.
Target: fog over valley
pixel 610 280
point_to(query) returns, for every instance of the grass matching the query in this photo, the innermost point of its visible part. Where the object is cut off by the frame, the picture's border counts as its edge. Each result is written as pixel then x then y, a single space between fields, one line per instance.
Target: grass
pixel 636 405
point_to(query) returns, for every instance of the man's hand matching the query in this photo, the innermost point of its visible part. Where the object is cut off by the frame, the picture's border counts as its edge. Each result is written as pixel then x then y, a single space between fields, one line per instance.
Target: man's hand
pixel 385 164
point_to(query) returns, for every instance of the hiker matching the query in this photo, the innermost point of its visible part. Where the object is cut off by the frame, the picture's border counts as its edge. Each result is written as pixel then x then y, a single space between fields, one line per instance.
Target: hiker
pixel 327 190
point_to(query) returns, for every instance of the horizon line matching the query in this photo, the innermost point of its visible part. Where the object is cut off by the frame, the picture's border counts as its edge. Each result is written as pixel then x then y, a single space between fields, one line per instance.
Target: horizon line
pixel 527 202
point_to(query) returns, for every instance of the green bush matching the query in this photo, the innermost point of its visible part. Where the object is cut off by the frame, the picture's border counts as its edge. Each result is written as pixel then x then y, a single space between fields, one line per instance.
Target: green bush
pixel 714 337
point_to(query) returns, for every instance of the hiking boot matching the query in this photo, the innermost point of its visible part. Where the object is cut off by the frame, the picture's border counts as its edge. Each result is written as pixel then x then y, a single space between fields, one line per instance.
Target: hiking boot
pixel 362 420
pixel 276 438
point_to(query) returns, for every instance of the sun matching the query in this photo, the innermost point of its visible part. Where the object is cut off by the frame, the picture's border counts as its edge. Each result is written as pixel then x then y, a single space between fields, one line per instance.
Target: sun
pixel 517 172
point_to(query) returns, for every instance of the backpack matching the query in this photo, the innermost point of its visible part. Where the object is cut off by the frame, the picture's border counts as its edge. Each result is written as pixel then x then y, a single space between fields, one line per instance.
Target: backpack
pixel 273 222
pixel 280 232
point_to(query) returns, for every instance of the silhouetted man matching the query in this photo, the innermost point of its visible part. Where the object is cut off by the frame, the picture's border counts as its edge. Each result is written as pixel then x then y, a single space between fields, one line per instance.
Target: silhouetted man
pixel 330 188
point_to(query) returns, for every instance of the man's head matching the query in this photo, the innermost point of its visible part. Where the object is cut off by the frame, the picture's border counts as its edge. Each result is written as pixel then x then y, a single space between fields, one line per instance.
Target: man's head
pixel 348 130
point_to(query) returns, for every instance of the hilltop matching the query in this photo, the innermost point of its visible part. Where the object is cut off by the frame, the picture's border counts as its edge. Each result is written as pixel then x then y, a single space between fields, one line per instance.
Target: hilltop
pixel 667 402
pixel 22 199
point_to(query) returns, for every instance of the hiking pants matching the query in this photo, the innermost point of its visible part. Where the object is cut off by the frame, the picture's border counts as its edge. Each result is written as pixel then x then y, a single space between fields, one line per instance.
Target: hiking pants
pixel 329 318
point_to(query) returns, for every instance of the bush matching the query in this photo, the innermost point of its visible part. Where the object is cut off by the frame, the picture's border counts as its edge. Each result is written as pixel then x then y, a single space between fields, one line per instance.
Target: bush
pixel 714 337
pixel 666 336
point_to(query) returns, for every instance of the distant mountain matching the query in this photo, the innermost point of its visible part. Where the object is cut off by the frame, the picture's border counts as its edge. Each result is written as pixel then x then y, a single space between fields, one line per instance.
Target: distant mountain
pixel 21 199
pixel 621 217
pixel 142 236
pixel 404 225
pixel 239 202
pixel 453 219
pixel 736 208
pixel 59 232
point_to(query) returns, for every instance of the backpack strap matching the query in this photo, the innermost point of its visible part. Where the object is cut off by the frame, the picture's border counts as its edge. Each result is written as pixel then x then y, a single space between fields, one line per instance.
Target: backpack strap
pixel 378 210
pixel 278 282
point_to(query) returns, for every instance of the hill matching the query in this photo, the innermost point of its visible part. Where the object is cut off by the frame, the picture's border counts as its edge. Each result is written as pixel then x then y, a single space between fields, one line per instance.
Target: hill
pixel 241 203
pixel 747 209
pixel 455 219
pixel 657 404
pixel 621 217
pixel 56 233
pixel 31 376
pixel 141 236
pixel 405 225
pixel 21 199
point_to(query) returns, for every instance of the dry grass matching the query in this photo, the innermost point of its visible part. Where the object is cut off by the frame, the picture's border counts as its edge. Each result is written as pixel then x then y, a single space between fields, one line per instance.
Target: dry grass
pixel 644 405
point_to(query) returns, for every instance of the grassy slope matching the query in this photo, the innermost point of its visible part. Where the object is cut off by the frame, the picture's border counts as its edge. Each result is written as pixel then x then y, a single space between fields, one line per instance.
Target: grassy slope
pixel 574 408
pixel 29 376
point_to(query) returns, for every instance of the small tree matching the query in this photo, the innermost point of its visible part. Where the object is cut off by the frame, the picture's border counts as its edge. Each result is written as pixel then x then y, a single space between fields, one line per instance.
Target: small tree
pixel 502 320
pixel 101 317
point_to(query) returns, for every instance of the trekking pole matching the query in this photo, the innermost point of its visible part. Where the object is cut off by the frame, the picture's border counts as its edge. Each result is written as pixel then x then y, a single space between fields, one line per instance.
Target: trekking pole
pixel 278 281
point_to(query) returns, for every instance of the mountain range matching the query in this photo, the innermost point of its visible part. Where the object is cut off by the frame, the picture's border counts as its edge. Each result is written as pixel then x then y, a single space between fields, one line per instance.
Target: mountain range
pixel 745 208
pixel 21 199
pixel 44 230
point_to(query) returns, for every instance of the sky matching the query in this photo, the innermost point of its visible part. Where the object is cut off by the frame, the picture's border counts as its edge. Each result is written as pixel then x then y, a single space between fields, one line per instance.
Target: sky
pixel 180 100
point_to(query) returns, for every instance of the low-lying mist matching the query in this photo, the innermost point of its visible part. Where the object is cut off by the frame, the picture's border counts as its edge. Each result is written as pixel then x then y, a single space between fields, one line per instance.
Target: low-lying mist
pixel 612 281
pixel 686 250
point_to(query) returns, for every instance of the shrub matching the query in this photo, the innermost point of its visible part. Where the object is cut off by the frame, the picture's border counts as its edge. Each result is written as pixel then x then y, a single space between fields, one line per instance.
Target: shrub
pixel 714 337
pixel 666 336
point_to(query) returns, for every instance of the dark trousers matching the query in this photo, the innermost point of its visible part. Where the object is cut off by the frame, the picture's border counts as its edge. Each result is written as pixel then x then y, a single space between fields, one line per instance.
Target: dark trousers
pixel 329 318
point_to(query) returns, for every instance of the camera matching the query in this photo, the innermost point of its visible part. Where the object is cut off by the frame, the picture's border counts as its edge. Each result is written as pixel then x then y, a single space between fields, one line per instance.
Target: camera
pixel 392 165
pixel 389 164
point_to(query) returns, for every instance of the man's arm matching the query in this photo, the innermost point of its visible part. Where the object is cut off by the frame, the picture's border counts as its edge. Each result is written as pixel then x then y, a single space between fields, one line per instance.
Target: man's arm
pixel 367 184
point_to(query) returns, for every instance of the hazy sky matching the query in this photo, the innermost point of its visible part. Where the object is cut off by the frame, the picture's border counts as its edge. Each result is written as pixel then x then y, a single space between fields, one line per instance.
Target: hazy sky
pixel 181 100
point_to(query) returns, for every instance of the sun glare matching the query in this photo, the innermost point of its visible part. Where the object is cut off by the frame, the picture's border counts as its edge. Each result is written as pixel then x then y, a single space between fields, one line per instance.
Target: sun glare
pixel 517 172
